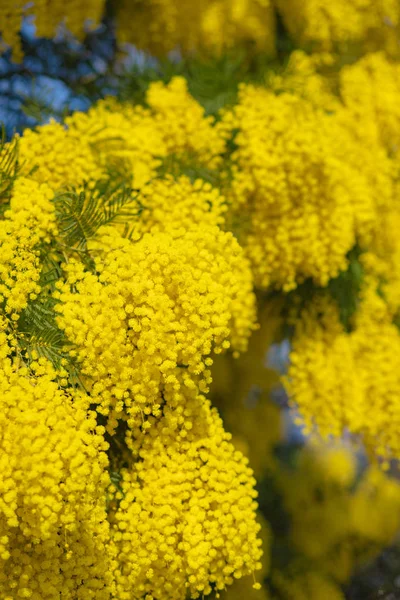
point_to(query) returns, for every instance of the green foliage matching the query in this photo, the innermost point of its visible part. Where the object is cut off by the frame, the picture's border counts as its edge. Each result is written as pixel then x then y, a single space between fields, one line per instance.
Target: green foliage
pixel 38 334
pixel 343 289
pixel 213 83
pixel 81 214
pixel 8 169
pixel 187 164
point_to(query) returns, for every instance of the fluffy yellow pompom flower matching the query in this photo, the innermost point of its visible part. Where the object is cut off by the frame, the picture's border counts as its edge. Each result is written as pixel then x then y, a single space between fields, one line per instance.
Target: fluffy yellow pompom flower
pixel 186 519
pixel 333 376
pixel 207 27
pixel 30 220
pixel 359 25
pixel 53 479
pixel 31 206
pixel 52 154
pixel 298 197
pixel 132 140
pixel 187 132
pixel 145 323
pixel 170 203
pixel 173 125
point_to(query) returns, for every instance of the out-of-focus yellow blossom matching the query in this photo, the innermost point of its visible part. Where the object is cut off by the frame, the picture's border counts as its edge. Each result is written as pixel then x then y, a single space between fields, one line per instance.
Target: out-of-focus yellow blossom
pixel 187 132
pixel 158 26
pixel 349 380
pixel 208 27
pixel 375 511
pixel 298 192
pixel 302 77
pixel 357 26
pixel 49 16
pixel 370 89
pixel 11 15
pixel 383 258
pixel 53 523
pixel 187 515
pixel 337 522
pixel 245 588
pixel 144 327
pixel 29 220
pixel 316 494
pixel 309 585
pixel 169 204
pixel 77 17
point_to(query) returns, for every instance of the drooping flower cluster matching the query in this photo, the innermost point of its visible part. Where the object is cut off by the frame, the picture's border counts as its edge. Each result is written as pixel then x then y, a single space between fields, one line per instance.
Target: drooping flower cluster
pixel 184 520
pixel 53 521
pixel 333 376
pixel 145 325
pixel 297 188
pixel 110 318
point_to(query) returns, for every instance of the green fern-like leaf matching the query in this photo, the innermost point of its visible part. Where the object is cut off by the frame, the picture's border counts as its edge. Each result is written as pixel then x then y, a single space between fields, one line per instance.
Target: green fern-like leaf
pixel 81 214
pixel 39 337
pixel 8 169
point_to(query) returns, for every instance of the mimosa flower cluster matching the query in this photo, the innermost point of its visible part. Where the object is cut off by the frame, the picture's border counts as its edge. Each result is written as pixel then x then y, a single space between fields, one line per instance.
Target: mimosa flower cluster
pixel 294 177
pixel 145 324
pixel 185 520
pixel 125 483
pixel 330 365
pixel 139 242
pixel 367 25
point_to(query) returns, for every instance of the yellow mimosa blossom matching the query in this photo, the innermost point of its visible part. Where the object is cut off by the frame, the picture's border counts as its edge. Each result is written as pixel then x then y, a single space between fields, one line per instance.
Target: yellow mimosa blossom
pixel 299 197
pixel 53 477
pixel 186 518
pixel 333 376
pixel 144 326
pixel 356 26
